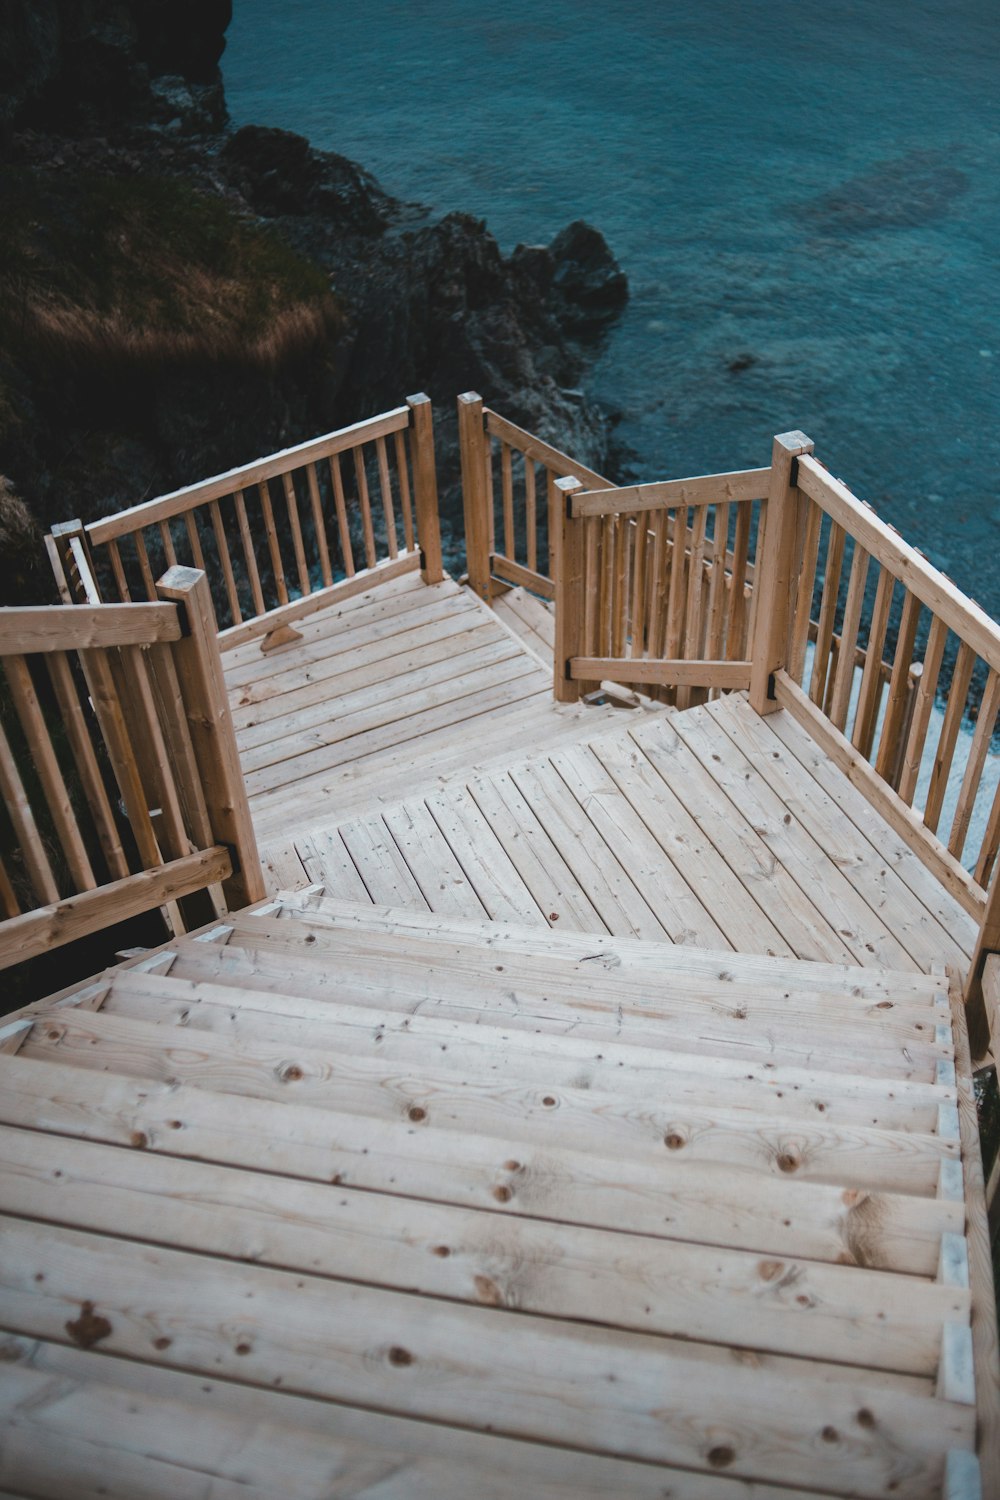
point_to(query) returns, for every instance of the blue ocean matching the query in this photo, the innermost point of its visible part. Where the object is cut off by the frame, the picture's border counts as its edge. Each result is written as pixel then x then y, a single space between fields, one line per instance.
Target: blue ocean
pixel 805 198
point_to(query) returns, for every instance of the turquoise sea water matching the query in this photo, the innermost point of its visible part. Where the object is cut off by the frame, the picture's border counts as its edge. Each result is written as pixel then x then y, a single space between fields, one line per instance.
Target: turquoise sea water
pixel 815 187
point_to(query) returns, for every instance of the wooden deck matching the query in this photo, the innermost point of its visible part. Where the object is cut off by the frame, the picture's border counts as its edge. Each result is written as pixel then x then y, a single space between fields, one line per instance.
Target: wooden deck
pixel 596 1120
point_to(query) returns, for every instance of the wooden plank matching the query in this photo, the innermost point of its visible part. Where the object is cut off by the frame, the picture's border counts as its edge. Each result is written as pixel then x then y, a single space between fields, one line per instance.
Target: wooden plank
pixel 607 885
pixel 259 472
pixel 678 908
pixel 970 623
pixel 982 740
pixel 225 561
pixel 956 926
pixel 793 842
pixel 295 526
pixel 85 760
pixel 327 862
pixel 668 671
pixel 283 868
pixel 63 921
pixel 513 572
pixel 405 499
pixel 872 1319
pixel 385 490
pixel 319 525
pixel 481 855
pixel 773 586
pixel 340 504
pixel 870 695
pixel 702 489
pixel 273 545
pixel 844 676
pixel 365 506
pixel 897 704
pixel 809 525
pixel 711 1203
pixel 743 923
pixel 827 614
pixel 86 1420
pixel 385 873
pixel 360 583
pixel 24 825
pixel 468 1361
pixel 873 878
pixel 531 851
pixel 445 884
pixel 249 554
pixel 885 801
pixel 504 1040
pixel 530 513
pixel 55 627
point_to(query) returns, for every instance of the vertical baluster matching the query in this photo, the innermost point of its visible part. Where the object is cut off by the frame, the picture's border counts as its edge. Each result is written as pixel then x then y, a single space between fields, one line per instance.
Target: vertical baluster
pixel 758 558
pixel 385 486
pixel 945 754
pixel 678 586
pixel 86 763
pixel 154 762
pixel 827 612
pixel 530 514
pixel 898 701
pixel 926 690
pixel 657 581
pixel 43 756
pixel 121 582
pixel 570 578
pixel 22 819
pixel 106 697
pixel 607 580
pixel 843 680
pixel 425 490
pixel 637 644
pixel 274 550
pixel 249 555
pixel 8 901
pixel 870 696
pixel 736 634
pixel 194 540
pixel 490 496
pixel 366 506
pixel 716 608
pixel 404 488
pixel 507 484
pixel 990 843
pixel 981 740
pixel 621 600
pixel 799 633
pixel 144 567
pixel 591 577
pixel 691 640
pixel 167 541
pixel 222 547
pixel 319 524
pixel 292 505
pixel 171 717
pixel 340 504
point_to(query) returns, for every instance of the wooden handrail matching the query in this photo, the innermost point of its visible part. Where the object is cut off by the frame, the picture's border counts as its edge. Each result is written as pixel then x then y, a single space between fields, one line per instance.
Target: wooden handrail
pixel 932 587
pixel 702 489
pixel 47 627
pixel 164 507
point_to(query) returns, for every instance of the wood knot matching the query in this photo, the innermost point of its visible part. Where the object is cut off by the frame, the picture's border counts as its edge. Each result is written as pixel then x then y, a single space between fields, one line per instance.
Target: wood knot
pixel 721 1456
pixel 89 1328
pixel 442 1250
pixel 549 1102
pixel 674 1141
pixel 487 1291
pixel 830 1434
pixel 289 1073
pixel 400 1356
pixel 769 1270
pixel 416 1113
pixel 503 1194
pixel 139 1139
pixel 162 1343
pixel 789 1160
pixel 865 1418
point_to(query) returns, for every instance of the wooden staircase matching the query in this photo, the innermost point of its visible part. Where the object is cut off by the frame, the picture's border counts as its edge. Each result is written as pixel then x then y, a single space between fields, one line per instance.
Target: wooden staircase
pixel 345 1199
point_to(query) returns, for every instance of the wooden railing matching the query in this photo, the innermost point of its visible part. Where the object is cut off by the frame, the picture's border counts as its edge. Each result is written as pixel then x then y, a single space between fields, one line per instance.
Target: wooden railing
pixel 282 536
pixel 119 773
pixel 653 583
pixel 508 479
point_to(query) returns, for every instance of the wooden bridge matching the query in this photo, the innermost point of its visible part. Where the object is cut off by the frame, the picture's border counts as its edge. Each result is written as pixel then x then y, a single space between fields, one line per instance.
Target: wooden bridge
pixel 558 1077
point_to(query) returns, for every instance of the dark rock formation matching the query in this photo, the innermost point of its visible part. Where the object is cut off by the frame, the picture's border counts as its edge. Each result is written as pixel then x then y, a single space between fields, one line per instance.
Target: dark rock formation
pixel 125 94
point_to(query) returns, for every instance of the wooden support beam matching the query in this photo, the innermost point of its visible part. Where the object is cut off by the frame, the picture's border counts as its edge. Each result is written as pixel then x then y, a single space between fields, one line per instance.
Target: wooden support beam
pixel 775 573
pixel 475 493
pixel 203 690
pixel 664 670
pixel 425 489
pixel 569 535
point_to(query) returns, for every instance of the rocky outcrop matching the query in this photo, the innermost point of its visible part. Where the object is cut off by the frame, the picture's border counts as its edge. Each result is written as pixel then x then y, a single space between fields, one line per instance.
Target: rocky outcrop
pixel 109 98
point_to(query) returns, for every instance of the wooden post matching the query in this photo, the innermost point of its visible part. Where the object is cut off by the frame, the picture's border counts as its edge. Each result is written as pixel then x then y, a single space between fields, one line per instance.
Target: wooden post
pixel 773 581
pixel 569 533
pixel 987 943
pixel 203 692
pixel 425 489
pixel 475 494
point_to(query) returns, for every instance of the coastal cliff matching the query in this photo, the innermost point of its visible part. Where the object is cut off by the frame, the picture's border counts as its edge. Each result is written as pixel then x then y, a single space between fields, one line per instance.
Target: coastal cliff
pixel 178 296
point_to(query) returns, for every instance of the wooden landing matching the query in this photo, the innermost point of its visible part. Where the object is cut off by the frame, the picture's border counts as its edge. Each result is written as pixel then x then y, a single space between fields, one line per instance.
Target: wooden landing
pixel 359 1202
pixel 713 827
pixel 391 689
